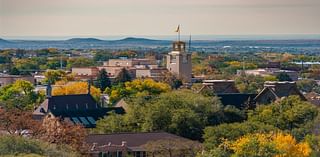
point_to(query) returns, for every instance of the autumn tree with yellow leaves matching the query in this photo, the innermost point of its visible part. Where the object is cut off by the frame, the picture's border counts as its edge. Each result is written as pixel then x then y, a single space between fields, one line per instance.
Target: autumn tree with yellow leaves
pixel 272 144
pixel 136 87
pixel 68 88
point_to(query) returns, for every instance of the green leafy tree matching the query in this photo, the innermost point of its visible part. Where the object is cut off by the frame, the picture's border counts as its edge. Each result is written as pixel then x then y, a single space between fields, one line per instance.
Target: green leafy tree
pixel 52 76
pixel 123 76
pixel 291 114
pixel 180 112
pixel 18 95
pixel 214 136
pixel 249 83
pixel 283 77
pixel 103 80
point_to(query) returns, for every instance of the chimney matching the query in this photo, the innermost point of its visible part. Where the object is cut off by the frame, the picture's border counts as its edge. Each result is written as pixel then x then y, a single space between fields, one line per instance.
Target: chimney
pixel 49 90
pixel 124 143
pixel 94 146
pixel 89 87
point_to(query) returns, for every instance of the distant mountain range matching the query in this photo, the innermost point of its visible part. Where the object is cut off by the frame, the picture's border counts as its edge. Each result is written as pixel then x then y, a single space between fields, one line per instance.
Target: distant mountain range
pixel 93 43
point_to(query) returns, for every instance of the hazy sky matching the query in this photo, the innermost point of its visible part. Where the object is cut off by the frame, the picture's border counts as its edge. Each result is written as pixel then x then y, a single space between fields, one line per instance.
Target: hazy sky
pixel 157 17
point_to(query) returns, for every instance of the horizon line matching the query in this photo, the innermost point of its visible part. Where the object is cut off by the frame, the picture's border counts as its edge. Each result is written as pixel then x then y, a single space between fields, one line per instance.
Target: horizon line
pixel 170 37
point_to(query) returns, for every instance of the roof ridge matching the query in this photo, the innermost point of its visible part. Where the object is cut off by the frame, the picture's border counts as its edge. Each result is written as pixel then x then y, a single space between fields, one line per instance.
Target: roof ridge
pixel 132 133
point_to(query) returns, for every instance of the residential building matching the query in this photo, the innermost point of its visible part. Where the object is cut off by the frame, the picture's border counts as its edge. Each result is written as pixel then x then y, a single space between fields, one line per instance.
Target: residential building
pixel 77 109
pixel 276 90
pixel 134 144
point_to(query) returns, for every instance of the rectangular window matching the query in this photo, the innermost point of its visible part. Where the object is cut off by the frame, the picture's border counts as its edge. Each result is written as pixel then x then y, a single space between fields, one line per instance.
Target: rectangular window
pixel 75 120
pixel 91 120
pixel 84 121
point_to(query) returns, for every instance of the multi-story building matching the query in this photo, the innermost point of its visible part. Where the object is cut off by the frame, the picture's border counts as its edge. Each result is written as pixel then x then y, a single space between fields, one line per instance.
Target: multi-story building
pixel 179 61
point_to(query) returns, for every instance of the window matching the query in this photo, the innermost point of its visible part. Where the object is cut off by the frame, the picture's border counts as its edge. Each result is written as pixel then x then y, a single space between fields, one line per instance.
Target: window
pixel 76 120
pixel 84 121
pixel 91 120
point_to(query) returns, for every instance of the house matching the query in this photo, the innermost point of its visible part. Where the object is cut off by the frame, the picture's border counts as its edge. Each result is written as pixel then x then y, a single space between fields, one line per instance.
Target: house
pixel 219 86
pixel 276 90
pixel 136 144
pixel 78 109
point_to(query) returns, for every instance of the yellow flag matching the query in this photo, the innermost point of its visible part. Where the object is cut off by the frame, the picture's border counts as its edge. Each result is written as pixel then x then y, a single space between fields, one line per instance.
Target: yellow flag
pixel 178 29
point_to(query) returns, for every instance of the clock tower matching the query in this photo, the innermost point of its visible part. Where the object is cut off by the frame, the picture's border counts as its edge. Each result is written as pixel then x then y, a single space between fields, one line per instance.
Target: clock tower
pixel 179 61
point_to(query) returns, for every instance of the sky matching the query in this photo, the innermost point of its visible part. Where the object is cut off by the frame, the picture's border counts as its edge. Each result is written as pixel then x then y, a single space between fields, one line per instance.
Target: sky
pixel 20 18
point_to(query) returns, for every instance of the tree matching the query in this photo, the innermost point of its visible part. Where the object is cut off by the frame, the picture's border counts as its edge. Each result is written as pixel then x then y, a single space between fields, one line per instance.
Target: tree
pixel 52 76
pixel 17 122
pixel 307 85
pixel 57 131
pixel 289 114
pixel 123 76
pixel 80 62
pixel 112 123
pixel 249 83
pixel 172 80
pixel 19 95
pixel 147 87
pixel 103 80
pixel 283 77
pixel 64 88
pixel 172 147
pixel 265 145
pixel 180 112
pixel 216 135
pixel 28 147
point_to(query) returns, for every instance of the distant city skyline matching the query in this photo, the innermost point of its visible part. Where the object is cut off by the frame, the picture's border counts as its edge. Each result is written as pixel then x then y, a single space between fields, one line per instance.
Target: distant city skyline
pixel 106 18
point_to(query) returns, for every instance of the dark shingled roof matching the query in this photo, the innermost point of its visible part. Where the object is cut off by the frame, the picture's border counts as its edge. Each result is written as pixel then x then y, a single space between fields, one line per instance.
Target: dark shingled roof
pixel 75 108
pixel 238 100
pixel 131 139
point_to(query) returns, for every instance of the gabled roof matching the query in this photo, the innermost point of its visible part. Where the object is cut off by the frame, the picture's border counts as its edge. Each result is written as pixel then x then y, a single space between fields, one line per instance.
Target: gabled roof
pixel 280 89
pixel 79 109
pixel 219 86
pixel 131 140
pixel 61 103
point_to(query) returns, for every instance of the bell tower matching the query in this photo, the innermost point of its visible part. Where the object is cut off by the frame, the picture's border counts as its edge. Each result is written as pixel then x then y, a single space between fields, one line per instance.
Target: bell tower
pixel 179 61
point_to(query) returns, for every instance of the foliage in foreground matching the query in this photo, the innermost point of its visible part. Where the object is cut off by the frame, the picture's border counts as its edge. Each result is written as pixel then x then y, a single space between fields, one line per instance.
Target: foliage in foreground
pixel 23 146
pixel 180 112
pixel 262 145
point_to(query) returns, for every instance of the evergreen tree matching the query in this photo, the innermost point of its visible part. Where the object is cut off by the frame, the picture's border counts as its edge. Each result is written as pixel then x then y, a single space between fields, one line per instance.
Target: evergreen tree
pixel 283 77
pixel 123 76
pixel 103 80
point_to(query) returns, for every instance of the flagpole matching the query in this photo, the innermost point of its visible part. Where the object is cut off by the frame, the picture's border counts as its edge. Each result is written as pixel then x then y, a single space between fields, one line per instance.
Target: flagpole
pixel 179 34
